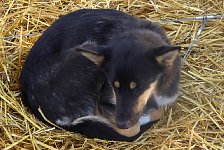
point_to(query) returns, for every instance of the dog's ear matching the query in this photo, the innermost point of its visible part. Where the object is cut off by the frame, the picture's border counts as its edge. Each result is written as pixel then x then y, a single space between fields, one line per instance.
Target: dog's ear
pixel 93 52
pixel 166 55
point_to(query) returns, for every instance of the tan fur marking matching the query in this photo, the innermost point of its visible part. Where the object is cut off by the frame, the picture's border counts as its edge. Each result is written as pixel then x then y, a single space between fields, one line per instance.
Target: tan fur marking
pixel 97 59
pixel 168 58
pixel 132 131
pixel 117 84
pixel 156 114
pixel 143 98
pixel 133 85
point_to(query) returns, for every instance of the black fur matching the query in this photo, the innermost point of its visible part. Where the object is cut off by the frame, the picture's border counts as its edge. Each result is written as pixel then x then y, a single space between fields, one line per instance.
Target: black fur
pixel 60 81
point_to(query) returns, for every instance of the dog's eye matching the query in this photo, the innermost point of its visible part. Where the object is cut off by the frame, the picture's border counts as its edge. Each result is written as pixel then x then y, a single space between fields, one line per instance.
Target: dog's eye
pixel 116 84
pixel 133 85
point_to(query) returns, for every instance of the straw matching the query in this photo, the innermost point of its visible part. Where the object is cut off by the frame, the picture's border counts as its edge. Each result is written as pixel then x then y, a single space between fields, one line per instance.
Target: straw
pixel 195 121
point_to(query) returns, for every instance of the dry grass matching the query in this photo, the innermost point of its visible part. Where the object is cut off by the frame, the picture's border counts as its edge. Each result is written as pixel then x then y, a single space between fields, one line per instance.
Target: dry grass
pixel 195 121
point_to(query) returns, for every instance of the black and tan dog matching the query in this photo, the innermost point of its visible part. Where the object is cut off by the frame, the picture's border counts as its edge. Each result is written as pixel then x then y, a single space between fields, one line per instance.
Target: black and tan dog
pixel 102 73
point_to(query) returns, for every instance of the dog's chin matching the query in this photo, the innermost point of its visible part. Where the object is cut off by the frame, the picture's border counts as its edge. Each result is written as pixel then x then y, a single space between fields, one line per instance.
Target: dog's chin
pixel 129 132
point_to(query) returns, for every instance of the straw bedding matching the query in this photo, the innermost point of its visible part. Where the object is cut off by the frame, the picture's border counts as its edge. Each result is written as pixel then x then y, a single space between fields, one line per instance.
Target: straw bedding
pixel 195 121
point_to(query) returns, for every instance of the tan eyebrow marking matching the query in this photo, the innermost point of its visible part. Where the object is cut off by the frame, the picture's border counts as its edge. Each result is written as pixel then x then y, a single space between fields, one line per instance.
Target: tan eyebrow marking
pixel 116 84
pixel 133 85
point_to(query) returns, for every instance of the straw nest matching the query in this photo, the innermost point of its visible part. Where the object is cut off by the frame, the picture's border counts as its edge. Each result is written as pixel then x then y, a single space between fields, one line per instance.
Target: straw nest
pixel 195 121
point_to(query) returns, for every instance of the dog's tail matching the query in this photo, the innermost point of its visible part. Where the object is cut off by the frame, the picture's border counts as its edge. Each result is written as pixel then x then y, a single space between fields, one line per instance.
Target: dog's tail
pixel 98 127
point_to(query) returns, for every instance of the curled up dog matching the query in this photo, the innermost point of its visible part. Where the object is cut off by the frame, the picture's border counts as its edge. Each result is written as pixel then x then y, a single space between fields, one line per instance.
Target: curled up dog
pixel 102 73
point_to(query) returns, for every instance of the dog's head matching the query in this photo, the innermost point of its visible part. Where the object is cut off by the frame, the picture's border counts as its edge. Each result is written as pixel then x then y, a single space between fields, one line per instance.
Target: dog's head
pixel 133 65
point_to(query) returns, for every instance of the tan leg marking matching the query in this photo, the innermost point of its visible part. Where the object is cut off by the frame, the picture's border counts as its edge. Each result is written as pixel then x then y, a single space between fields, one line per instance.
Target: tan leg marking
pixel 156 114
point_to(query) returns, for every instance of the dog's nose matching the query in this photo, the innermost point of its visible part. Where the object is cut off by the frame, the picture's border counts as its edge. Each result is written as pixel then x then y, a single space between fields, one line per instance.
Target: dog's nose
pixel 123 124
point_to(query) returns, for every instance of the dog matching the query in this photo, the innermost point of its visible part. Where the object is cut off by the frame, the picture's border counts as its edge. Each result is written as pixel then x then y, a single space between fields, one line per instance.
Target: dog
pixel 102 73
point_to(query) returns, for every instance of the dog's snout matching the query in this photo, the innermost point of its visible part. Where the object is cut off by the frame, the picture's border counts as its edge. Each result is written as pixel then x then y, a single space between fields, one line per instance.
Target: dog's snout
pixel 123 124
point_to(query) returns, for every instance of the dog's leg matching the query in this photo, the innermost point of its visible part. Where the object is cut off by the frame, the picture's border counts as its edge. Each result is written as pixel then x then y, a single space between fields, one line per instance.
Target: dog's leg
pixel 99 127
pixel 154 115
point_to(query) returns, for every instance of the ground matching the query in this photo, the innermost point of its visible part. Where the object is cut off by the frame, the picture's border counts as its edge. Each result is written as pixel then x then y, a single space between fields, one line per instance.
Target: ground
pixel 195 121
